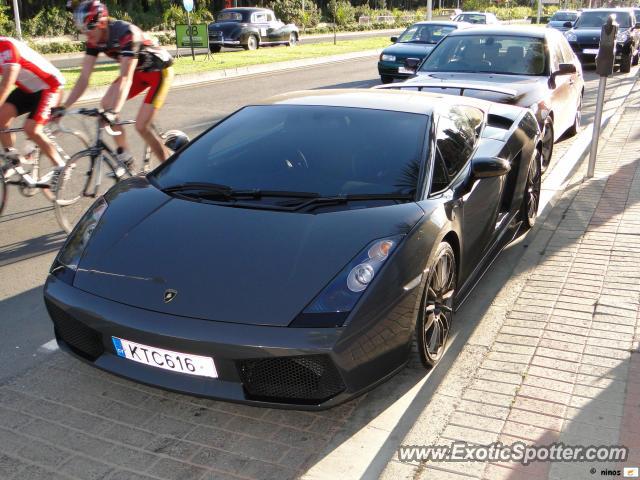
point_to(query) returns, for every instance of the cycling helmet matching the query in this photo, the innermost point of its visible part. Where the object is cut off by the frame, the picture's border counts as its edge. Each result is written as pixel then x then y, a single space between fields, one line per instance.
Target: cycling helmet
pixel 175 140
pixel 88 14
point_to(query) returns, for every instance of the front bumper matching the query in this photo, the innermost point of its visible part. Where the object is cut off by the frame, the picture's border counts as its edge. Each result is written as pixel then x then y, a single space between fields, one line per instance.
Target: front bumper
pixel 578 49
pixel 220 40
pixel 302 368
pixel 390 69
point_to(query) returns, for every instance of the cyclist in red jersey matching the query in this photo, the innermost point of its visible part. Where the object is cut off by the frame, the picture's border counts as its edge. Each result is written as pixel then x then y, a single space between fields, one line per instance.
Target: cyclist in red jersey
pixel 143 66
pixel 38 87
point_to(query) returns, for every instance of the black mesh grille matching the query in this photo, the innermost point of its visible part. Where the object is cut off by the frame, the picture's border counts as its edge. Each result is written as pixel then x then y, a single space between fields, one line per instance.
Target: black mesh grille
pixel 82 340
pixel 304 379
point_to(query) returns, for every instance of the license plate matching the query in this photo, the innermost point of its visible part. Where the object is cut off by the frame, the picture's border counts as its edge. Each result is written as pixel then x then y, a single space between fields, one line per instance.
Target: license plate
pixel 165 359
pixel 405 70
pixel 590 51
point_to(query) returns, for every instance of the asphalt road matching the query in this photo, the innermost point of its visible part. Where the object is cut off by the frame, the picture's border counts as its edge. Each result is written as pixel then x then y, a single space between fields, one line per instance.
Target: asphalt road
pixel 30 236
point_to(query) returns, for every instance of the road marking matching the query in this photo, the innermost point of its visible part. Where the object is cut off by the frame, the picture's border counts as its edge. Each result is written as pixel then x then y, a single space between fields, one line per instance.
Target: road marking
pixel 50 346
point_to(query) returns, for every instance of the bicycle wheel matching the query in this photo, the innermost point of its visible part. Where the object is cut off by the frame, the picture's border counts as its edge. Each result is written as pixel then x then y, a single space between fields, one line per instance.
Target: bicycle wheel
pixel 85 178
pixel 3 192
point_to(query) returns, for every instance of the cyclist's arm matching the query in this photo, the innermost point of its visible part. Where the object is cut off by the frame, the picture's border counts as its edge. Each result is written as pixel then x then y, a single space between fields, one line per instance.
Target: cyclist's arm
pixel 81 85
pixel 10 73
pixel 127 69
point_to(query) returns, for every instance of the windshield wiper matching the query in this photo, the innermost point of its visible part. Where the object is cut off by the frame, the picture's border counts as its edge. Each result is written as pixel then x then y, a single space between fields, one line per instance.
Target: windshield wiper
pixel 225 192
pixel 340 199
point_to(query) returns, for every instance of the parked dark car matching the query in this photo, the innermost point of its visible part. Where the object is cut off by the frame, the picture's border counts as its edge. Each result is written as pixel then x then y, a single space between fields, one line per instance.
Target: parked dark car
pixel 584 37
pixel 415 42
pixel 560 19
pixel 299 245
pixel 525 66
pixel 250 28
pixel 480 18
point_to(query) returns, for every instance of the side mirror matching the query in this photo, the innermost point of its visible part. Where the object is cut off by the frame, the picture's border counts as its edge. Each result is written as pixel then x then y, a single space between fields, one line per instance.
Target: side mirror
pixel 485 167
pixel 567 24
pixel 394 39
pixel 412 64
pixel 563 69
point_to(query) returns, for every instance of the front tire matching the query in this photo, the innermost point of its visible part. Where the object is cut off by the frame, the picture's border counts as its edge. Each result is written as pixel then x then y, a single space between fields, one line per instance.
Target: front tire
pixel 252 43
pixel 386 79
pixel 547 143
pixel 436 309
pixel 293 39
pixel 625 63
pixel 215 48
pixel 83 180
pixel 531 197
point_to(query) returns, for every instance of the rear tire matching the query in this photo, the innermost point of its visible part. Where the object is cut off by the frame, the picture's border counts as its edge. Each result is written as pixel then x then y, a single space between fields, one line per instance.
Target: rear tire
pixel 575 128
pixel 78 185
pixel 547 143
pixel 625 63
pixel 386 79
pixel 252 43
pixel 3 192
pixel 436 309
pixel 293 39
pixel 531 197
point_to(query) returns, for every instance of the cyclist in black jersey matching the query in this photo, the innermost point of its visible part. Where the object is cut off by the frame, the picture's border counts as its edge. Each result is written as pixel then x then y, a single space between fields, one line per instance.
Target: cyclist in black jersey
pixel 143 66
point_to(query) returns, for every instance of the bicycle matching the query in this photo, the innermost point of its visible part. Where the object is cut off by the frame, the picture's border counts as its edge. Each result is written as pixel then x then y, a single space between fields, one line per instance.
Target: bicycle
pixel 24 171
pixel 91 172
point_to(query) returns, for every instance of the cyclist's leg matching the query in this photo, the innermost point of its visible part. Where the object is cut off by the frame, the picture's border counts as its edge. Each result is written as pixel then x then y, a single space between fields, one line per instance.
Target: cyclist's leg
pixel 107 103
pixel 14 106
pixel 39 116
pixel 160 83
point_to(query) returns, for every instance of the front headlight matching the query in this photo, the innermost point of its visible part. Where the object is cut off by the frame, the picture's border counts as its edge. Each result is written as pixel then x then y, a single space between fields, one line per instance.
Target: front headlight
pixel 387 58
pixel 66 263
pixel 622 37
pixel 571 36
pixel 332 306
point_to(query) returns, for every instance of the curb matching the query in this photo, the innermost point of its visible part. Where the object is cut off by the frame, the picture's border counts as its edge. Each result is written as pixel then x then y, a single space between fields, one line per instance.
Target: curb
pixel 191 79
pixel 381 427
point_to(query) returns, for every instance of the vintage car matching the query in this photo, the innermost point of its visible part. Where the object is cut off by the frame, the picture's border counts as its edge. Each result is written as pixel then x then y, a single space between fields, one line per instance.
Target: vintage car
pixel 299 246
pixel 250 28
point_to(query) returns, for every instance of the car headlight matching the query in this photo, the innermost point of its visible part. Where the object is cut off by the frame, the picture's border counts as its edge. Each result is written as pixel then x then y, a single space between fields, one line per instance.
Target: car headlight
pixel 332 306
pixel 387 58
pixel 571 36
pixel 622 37
pixel 66 263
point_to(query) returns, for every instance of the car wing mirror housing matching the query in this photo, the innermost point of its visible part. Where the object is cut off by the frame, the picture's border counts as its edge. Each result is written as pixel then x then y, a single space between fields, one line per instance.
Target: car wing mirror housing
pixel 393 39
pixel 567 24
pixel 486 167
pixel 563 69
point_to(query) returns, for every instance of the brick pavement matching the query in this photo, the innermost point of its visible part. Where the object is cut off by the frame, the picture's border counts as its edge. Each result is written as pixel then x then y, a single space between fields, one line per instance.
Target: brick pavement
pixel 565 362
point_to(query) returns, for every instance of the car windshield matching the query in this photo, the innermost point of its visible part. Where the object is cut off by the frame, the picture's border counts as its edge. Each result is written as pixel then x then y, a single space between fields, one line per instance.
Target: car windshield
pixel 471 18
pixel 505 54
pixel 597 19
pixel 431 34
pixel 637 14
pixel 330 151
pixel 564 17
pixel 229 17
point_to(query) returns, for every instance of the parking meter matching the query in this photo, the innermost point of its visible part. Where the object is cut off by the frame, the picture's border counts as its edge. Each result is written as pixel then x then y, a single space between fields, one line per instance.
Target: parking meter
pixel 607 50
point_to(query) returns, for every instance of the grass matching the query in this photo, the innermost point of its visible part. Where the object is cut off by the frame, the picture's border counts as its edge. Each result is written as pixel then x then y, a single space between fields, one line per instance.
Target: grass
pixel 105 74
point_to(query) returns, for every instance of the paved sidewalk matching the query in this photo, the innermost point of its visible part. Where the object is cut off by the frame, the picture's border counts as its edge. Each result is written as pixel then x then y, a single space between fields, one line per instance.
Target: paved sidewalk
pixel 565 364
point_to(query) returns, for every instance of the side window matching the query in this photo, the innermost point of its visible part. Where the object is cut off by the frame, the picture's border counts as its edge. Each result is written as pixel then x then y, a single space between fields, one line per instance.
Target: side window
pixel 270 17
pixel 456 137
pixel 259 18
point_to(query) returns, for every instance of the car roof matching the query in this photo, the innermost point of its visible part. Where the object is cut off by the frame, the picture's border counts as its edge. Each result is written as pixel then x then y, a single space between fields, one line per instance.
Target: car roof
pixel 514 31
pixel 441 22
pixel 246 9
pixel 608 9
pixel 377 99
pixel 567 11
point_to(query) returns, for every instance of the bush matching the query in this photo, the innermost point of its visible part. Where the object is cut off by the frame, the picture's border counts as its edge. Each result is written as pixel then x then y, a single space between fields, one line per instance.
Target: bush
pixel 345 13
pixel 50 21
pixel 7 27
pixel 290 11
pixel 57 47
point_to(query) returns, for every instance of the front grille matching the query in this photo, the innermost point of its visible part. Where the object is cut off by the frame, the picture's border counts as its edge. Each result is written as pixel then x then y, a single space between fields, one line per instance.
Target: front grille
pixel 82 340
pixel 303 379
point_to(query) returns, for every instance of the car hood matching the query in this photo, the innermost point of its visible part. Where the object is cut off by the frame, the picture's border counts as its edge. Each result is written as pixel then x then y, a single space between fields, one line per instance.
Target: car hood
pixel 405 50
pixel 587 35
pixel 558 25
pixel 519 90
pixel 226 264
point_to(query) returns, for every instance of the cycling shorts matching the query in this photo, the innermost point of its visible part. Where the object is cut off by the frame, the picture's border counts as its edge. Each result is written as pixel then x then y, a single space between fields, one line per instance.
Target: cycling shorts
pixel 37 104
pixel 157 82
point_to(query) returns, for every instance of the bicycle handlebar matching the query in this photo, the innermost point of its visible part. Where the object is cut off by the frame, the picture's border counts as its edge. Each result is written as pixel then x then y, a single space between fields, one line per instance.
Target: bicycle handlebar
pixel 100 113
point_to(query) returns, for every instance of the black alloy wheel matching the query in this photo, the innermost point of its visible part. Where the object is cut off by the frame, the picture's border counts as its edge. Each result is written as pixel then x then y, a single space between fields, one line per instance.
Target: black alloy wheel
pixel 531 198
pixel 547 143
pixel 436 313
